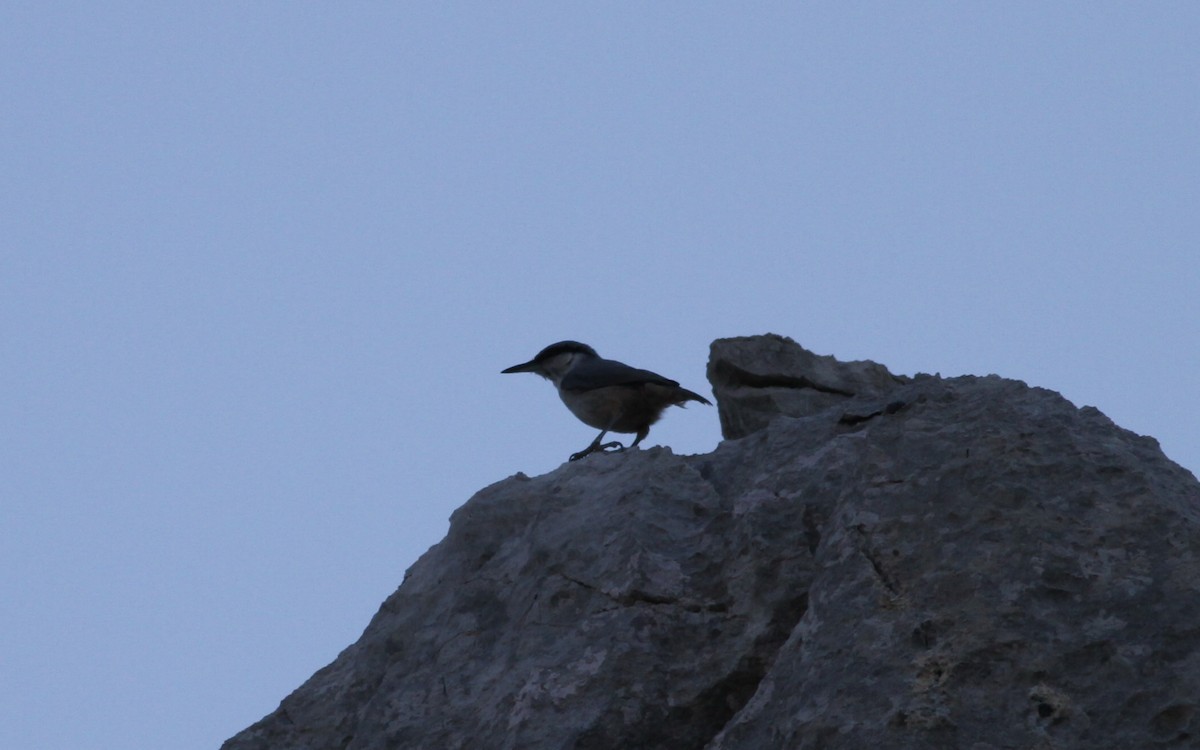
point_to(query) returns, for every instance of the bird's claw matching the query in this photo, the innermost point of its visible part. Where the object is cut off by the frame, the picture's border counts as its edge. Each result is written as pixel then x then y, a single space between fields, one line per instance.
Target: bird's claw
pixel 613 447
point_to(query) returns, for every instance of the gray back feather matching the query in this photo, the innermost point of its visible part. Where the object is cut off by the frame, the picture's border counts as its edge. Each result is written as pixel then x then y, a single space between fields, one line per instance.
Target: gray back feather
pixel 600 373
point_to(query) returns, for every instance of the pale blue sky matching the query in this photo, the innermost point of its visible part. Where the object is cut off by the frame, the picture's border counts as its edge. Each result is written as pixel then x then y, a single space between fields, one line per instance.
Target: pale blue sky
pixel 262 263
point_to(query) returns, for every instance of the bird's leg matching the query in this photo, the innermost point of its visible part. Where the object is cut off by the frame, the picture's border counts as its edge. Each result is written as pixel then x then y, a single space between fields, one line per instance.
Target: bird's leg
pixel 591 448
pixel 641 434
pixel 596 446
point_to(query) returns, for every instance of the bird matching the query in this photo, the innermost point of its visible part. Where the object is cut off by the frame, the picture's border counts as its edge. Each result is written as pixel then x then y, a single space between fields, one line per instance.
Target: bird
pixel 603 393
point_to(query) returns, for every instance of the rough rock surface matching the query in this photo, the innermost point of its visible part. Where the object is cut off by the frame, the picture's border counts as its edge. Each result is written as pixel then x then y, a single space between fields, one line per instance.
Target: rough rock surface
pixel 900 563
pixel 758 378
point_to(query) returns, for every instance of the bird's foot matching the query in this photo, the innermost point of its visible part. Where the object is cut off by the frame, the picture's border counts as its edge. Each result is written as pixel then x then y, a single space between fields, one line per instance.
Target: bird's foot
pixel 613 447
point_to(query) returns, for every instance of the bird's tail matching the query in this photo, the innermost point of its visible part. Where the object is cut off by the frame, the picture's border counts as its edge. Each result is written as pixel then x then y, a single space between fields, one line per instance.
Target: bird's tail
pixel 685 395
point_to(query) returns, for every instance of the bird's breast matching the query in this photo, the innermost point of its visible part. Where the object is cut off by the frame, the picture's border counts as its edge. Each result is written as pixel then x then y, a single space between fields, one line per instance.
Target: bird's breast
pixel 619 408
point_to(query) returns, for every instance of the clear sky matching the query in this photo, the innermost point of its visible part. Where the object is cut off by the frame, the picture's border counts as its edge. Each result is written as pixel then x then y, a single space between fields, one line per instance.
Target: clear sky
pixel 261 264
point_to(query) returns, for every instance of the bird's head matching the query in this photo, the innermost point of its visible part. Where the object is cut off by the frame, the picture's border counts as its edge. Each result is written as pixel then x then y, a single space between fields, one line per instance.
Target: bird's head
pixel 556 360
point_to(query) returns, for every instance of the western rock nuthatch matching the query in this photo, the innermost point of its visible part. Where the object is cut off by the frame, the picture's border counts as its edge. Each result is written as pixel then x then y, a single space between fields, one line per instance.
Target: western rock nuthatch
pixel 606 394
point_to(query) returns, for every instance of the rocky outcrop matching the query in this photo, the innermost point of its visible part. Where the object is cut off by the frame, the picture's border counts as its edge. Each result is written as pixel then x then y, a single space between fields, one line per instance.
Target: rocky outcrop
pixel 759 378
pixel 868 562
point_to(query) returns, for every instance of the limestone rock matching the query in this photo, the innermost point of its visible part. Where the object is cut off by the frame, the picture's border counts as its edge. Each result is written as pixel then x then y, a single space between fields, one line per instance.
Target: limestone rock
pixel 758 378
pixel 915 563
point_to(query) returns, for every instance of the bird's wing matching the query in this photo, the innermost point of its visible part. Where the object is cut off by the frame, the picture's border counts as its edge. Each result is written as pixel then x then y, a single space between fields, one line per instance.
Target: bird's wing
pixel 600 373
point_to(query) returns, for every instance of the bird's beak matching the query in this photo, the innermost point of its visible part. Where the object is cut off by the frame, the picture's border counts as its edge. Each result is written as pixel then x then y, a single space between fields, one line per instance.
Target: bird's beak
pixel 529 366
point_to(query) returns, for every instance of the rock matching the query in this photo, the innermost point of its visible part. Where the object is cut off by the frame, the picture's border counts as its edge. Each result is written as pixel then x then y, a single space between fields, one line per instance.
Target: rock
pixel 914 563
pixel 758 378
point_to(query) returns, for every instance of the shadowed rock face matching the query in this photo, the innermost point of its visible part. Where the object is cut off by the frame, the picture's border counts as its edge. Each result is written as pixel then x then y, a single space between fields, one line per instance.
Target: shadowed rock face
pixel 759 378
pixel 899 563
